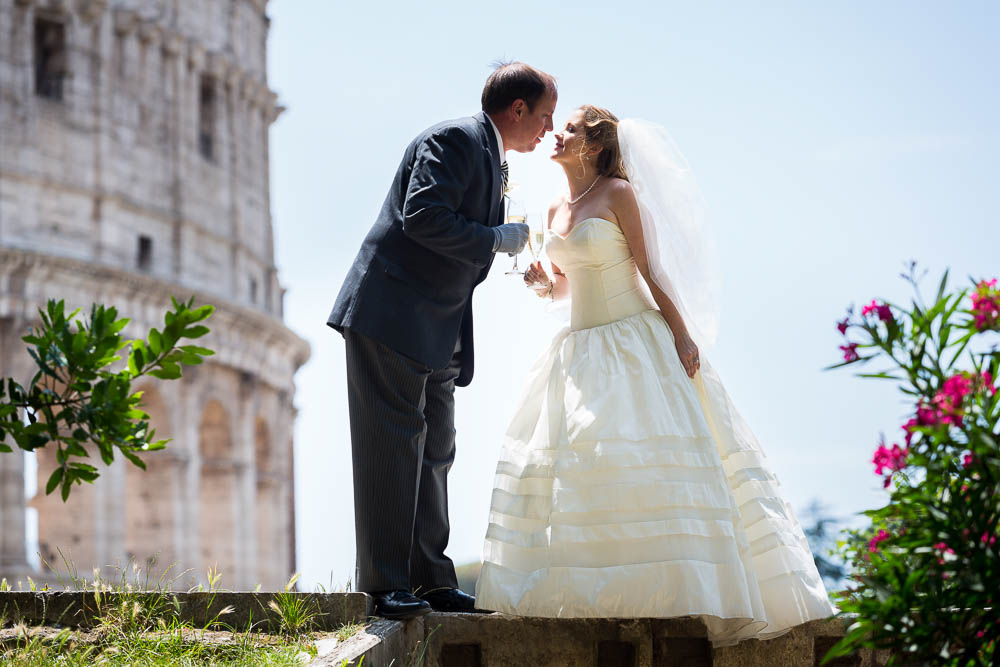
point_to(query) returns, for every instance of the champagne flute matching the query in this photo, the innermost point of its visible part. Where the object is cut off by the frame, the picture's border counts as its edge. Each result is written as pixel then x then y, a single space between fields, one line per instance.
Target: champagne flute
pixel 516 212
pixel 536 236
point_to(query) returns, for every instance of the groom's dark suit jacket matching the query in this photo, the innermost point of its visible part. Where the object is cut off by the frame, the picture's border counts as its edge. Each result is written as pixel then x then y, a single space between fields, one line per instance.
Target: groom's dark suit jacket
pixel 410 286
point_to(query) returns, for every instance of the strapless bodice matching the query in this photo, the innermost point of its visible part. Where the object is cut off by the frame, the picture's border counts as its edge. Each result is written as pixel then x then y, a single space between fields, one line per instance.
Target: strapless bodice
pixel 603 279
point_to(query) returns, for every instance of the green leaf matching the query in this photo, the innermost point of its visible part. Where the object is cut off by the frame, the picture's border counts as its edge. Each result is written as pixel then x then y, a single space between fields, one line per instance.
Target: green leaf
pixel 167 371
pixel 201 313
pixel 941 287
pixel 54 480
pixel 195 332
pixel 884 375
pixel 155 342
pixel 65 489
pixel 118 325
pixel 134 459
pixel 75 449
pixel 194 349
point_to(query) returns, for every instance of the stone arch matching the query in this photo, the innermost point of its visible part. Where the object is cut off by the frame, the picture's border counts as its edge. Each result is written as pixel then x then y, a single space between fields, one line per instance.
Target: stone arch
pixel 70 529
pixel 270 571
pixel 217 494
pixel 152 498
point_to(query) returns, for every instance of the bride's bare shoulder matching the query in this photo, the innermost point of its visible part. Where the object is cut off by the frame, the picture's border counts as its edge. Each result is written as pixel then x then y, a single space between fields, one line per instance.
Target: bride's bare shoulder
pixel 619 186
pixel 620 191
pixel 558 201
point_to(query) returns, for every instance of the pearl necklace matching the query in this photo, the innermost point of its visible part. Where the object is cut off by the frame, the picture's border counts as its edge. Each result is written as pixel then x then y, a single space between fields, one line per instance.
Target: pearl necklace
pixel 573 201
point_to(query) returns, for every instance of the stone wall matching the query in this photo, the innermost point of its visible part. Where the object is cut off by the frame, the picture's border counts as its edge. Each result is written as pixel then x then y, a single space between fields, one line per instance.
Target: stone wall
pixel 118 156
pixel 133 168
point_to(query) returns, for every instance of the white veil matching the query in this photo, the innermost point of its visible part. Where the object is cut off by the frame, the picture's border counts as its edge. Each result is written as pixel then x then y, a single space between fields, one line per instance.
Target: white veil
pixel 679 248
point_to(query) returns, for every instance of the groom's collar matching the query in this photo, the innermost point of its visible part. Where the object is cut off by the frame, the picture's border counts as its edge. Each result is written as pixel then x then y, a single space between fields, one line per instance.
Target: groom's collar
pixel 496 131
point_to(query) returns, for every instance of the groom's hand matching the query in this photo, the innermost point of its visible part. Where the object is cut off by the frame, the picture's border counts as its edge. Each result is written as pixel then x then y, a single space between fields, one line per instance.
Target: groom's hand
pixel 510 238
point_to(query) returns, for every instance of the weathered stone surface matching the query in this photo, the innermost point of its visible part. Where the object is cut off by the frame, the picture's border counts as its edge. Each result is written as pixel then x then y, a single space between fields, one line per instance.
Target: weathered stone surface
pixel 794 649
pixel 107 194
pixel 509 640
pixel 382 642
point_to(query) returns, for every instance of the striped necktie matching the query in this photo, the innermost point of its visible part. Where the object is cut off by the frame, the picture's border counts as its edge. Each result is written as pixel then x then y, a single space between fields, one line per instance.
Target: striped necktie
pixel 504 176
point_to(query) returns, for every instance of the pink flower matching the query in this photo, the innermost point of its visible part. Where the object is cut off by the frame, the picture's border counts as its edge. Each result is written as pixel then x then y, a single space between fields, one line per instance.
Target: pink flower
pixel 958 385
pixel 927 416
pixel 967 459
pixel 987 382
pixel 941 546
pixel 850 351
pixel 949 400
pixel 986 305
pixel 874 542
pixel 888 460
pixel 883 310
pixel 891 459
pixel 842 326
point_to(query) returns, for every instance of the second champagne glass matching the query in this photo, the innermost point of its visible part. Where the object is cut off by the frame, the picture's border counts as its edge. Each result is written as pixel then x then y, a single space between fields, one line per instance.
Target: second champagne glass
pixel 516 212
pixel 536 236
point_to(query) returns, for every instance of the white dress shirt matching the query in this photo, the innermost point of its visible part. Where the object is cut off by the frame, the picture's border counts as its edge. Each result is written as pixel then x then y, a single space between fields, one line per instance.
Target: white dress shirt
pixel 496 131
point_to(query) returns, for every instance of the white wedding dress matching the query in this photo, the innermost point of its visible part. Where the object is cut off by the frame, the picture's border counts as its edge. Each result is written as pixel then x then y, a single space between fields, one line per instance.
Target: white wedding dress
pixel 626 489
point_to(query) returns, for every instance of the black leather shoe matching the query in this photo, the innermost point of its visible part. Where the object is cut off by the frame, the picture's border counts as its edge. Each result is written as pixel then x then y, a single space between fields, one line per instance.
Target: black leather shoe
pixel 399 605
pixel 451 599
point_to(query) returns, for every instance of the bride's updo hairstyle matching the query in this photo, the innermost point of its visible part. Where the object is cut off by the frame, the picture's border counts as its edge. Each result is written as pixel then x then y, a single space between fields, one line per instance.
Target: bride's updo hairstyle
pixel 601 129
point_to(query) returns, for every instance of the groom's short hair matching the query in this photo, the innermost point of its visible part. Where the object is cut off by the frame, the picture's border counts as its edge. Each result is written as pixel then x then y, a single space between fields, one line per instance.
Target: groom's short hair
pixel 515 81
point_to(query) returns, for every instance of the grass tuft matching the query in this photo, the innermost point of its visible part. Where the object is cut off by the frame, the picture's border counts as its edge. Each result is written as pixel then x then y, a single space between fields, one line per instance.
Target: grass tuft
pixel 142 625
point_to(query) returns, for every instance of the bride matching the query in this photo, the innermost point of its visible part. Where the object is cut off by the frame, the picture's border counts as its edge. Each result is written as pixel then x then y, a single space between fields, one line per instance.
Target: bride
pixel 628 486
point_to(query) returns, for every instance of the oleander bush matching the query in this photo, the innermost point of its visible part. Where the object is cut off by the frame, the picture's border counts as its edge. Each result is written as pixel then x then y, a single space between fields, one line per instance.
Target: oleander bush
pixel 926 573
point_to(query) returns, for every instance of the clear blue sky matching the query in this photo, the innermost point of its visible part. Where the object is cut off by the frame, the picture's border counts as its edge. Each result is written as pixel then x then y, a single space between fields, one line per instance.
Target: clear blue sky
pixel 833 141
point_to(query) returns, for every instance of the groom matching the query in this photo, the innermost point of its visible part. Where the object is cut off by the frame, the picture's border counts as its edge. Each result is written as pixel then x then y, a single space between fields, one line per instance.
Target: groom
pixel 405 311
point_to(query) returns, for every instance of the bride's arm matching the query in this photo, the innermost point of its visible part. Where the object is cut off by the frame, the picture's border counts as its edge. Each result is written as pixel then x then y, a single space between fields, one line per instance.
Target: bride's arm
pixel 536 274
pixel 624 206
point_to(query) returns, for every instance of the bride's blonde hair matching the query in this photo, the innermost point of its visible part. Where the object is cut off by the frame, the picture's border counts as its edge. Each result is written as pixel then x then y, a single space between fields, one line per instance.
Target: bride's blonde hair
pixel 601 129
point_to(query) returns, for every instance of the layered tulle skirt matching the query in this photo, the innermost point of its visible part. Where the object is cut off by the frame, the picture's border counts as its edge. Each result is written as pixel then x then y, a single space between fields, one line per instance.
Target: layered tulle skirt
pixel 627 490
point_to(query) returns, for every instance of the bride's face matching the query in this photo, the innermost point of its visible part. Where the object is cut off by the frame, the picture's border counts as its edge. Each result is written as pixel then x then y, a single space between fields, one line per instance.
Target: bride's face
pixel 570 139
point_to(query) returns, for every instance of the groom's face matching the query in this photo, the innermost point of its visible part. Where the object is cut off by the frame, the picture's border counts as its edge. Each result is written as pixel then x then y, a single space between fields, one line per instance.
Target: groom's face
pixel 530 125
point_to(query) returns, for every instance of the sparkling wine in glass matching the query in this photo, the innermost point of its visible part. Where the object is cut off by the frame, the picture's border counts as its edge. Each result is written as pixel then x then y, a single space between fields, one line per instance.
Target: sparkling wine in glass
pixel 536 237
pixel 516 213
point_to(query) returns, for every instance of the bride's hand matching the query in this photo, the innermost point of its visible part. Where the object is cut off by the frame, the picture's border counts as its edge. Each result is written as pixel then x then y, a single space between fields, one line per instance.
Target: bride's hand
pixel 536 278
pixel 688 353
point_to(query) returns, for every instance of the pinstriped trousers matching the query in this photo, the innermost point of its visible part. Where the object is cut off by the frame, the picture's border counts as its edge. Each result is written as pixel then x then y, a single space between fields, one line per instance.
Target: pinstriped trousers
pixel 402 445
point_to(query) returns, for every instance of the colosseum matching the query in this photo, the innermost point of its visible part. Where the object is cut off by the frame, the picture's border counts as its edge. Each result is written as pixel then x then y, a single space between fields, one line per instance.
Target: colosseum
pixel 133 168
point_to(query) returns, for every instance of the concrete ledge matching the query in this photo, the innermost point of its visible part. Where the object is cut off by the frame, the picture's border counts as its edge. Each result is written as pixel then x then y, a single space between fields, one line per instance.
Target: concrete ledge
pixel 458 640
pixel 83 609
pixel 383 642
pixel 496 640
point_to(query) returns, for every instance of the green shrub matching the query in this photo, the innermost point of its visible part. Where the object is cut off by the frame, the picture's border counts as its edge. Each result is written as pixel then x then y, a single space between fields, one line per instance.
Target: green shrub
pixel 926 573
pixel 77 400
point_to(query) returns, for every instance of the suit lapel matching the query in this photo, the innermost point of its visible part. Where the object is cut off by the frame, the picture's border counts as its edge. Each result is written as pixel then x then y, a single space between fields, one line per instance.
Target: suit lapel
pixel 489 141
